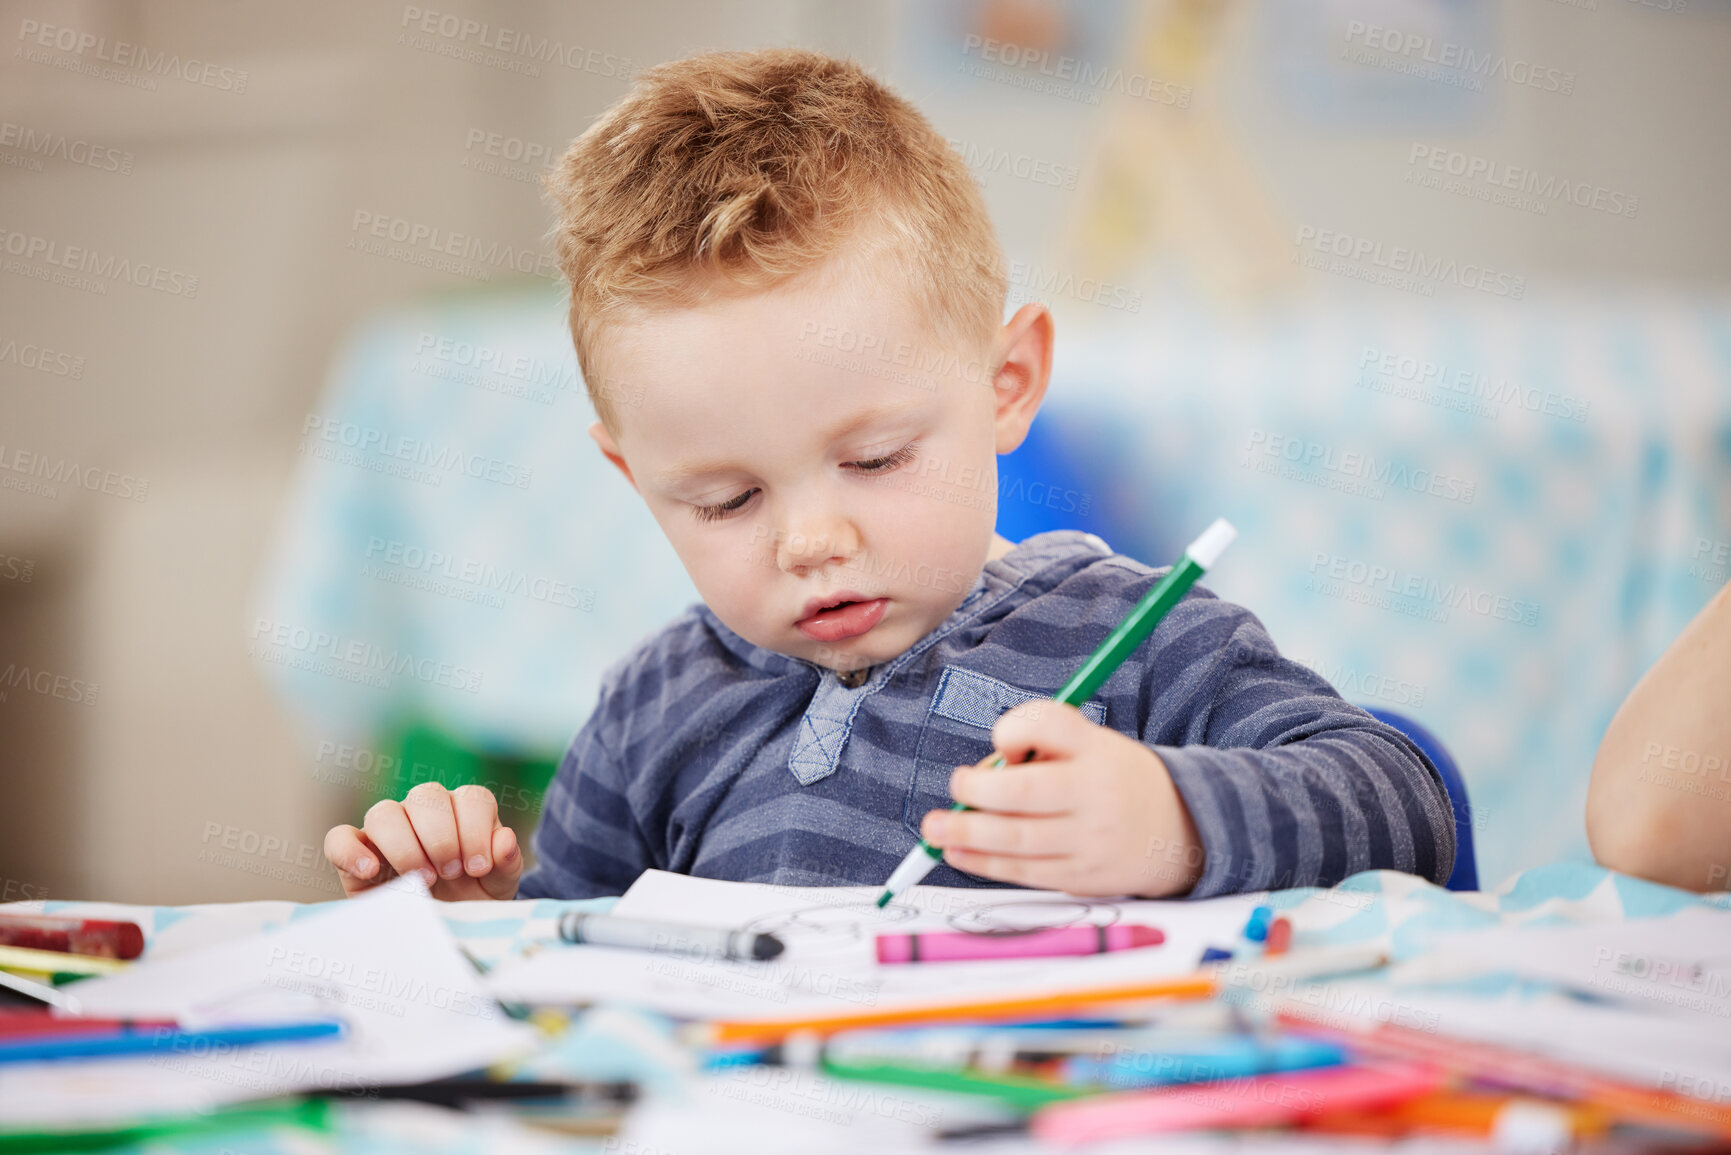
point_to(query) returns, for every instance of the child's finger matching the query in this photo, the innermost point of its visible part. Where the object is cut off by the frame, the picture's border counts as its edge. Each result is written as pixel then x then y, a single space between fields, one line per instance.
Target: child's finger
pixel 388 827
pixel 1023 788
pixel 356 859
pixel 1048 728
pixel 429 809
pixel 477 817
pixel 1042 837
pixel 1039 873
pixel 507 865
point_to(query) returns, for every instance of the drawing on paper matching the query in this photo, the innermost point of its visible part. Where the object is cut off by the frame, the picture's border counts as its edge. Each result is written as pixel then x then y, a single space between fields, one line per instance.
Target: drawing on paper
pixel 1024 916
pixel 832 925
pixel 838 926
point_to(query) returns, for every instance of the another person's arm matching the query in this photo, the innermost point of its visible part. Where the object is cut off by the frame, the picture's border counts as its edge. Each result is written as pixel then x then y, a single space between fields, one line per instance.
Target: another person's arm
pixel 1659 805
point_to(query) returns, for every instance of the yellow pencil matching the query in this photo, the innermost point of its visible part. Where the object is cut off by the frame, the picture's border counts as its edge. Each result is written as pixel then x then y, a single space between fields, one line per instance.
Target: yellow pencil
pixel 21 958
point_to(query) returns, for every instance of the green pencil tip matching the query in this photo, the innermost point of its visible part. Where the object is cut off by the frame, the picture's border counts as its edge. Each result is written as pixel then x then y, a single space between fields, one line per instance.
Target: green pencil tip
pixel 884 899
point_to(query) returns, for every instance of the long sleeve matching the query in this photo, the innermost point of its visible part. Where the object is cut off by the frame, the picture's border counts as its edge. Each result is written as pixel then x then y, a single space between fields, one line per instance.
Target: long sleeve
pixel 1288 784
pixel 587 843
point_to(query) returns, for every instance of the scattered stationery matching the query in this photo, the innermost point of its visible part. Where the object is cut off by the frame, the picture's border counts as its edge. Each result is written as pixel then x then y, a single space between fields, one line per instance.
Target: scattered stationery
pixel 1640 1067
pixel 828 973
pixel 384 964
pixel 845 1041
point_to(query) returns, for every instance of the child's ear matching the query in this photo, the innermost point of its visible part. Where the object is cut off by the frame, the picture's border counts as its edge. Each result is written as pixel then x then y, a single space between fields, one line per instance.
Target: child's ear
pixel 1019 384
pixel 598 434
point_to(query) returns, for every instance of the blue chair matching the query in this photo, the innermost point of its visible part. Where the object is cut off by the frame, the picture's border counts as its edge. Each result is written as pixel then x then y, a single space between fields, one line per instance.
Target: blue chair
pixel 1466 872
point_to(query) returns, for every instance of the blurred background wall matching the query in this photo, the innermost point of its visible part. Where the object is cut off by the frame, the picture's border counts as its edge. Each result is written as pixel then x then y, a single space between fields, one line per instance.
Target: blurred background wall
pixel 231 160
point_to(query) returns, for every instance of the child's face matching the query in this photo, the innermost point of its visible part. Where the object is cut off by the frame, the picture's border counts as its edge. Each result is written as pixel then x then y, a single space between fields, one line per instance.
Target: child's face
pixel 791 476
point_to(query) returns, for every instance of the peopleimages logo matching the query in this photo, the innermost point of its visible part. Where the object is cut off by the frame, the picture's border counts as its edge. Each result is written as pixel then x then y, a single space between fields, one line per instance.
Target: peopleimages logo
pixel 35 144
pixel 353 659
pixel 484 43
pixel 1471 386
pixel 1424 597
pixel 419 243
pixel 35 34
pixel 1078 74
pixel 1454 61
pixel 987 161
pixel 81 259
pixel 1400 260
pixel 368 446
pixel 1356 466
pixel 1487 179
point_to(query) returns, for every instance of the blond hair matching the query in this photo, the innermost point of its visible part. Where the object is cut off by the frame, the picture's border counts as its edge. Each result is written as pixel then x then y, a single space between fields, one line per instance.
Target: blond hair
pixel 736 171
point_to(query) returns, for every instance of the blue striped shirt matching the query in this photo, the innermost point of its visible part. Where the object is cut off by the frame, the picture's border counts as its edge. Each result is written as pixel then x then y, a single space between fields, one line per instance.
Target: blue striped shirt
pixel 712 756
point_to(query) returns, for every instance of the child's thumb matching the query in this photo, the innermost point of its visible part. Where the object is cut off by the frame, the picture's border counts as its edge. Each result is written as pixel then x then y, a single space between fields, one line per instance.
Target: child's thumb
pixel 501 881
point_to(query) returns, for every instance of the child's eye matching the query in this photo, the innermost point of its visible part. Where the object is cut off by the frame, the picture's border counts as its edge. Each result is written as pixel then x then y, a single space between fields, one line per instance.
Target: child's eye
pixel 717 512
pixel 894 461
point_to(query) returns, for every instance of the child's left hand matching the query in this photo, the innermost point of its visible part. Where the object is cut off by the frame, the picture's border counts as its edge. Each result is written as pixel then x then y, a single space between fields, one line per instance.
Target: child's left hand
pixel 1095 813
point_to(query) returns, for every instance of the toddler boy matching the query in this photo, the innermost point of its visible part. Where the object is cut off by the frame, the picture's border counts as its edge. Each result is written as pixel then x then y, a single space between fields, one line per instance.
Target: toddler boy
pixel 797 275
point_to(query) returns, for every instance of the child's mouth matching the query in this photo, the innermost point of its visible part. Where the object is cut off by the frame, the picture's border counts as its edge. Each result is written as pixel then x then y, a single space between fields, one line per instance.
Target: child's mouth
pixel 841 620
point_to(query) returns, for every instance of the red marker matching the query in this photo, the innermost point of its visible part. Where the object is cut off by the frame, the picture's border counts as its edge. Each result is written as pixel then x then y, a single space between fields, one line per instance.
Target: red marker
pixel 960 946
pixel 1279 936
pixel 96 937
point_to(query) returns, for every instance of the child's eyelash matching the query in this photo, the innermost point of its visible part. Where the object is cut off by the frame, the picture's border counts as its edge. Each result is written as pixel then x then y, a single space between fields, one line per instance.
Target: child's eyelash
pixel 876 465
pixel 717 512
pixel 894 461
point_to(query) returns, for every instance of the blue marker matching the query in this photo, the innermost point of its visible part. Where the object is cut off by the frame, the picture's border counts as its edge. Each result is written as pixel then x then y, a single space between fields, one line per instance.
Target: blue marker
pixel 145 1040
pixel 1228 1058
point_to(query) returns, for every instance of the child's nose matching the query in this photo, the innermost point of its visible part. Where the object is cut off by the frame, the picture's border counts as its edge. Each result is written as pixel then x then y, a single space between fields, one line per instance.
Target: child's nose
pixel 816 544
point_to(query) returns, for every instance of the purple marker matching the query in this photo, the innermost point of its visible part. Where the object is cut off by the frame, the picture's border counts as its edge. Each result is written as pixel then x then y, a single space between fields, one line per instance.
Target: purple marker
pixel 955 946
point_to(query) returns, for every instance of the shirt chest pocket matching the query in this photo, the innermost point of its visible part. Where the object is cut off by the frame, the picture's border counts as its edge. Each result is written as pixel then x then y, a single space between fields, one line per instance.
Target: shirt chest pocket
pixel 958 731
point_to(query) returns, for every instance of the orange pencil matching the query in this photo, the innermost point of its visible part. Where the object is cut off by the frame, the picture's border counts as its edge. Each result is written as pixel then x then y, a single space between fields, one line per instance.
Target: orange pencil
pixel 1193 986
pixel 1458 1112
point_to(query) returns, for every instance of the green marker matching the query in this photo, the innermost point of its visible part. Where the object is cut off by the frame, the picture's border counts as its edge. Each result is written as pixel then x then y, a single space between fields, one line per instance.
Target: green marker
pixel 1022 1092
pixel 1198 558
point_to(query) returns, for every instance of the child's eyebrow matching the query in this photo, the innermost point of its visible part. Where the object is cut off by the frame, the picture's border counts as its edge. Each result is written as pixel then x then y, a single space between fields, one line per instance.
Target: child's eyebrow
pixel 681 474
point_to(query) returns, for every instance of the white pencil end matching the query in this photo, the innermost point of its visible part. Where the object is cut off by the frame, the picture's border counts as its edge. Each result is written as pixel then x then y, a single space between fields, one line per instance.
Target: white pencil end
pixel 1206 550
pixel 914 867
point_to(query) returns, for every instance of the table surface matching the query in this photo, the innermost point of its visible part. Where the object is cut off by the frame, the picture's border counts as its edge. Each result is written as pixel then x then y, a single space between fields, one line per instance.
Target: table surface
pixel 1400 911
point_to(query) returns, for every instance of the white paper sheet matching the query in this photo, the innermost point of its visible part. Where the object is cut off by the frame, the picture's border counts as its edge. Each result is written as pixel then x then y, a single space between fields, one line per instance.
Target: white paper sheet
pixel 830 967
pixel 384 963
pixel 1680 964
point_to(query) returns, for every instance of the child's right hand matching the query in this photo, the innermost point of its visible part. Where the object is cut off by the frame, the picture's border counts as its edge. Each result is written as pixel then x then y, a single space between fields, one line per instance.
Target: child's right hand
pixel 452 837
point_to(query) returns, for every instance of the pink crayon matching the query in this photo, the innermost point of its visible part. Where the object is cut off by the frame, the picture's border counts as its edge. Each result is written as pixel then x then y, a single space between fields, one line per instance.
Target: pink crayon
pixel 958 946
